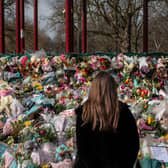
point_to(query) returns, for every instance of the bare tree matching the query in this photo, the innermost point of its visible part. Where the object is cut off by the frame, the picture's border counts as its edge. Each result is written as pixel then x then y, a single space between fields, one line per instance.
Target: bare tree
pixel 109 22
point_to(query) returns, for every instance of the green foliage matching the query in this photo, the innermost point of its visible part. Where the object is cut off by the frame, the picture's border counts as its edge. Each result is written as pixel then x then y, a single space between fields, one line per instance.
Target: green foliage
pixel 70 133
pixel 59 108
pixel 46 134
pixel 17 127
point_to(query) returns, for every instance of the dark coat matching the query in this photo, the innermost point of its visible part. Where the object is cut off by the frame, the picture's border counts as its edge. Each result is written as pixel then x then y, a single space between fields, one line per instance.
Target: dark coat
pixel 106 149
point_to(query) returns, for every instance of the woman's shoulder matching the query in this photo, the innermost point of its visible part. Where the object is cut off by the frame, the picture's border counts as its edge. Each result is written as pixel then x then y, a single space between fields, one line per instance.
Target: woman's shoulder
pixel 126 117
pixel 78 110
pixel 125 112
pixel 123 106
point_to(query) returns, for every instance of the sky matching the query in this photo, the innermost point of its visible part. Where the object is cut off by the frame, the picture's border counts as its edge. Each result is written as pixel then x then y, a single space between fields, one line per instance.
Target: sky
pixel 44 10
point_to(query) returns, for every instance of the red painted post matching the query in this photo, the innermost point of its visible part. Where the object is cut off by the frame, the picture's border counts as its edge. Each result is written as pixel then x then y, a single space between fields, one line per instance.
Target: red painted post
pixel 17 26
pixel 22 26
pixel 72 28
pixel 69 25
pixel 145 26
pixel 2 37
pixel 35 25
pixel 84 27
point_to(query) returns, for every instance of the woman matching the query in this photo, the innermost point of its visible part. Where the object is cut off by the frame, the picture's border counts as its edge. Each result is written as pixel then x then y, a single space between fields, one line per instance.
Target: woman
pixel 106 131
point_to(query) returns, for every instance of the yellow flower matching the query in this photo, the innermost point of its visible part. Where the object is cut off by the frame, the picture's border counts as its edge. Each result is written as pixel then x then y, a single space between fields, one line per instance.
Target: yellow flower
pixel 84 93
pixel 27 123
pixel 46 166
pixel 89 78
pixel 166 137
pixel 88 84
pixel 11 141
pixel 37 85
pixel 83 71
pixel 127 80
pixel 149 120
pixel 39 88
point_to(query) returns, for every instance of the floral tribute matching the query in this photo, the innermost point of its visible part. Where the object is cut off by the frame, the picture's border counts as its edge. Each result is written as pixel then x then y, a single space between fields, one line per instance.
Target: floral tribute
pixel 38 95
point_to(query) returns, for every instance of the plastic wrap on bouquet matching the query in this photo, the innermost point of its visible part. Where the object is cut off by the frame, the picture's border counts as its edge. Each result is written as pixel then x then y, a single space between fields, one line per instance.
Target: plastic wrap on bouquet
pixel 9 158
pixel 67 163
pixel 45 154
pixel 8 129
pixel 59 123
pixel 161 110
pixel 16 108
pixel 35 156
pixel 5 103
pixel 10 76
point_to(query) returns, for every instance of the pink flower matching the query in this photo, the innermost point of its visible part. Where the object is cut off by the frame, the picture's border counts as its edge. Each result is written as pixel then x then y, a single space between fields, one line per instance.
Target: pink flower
pixel 41 131
pixel 122 87
pixel 76 76
pixel 63 58
pixel 77 70
pixel 82 80
pixel 76 97
pixel 94 57
pixel 83 87
pixel 161 83
pixel 65 77
pixel 59 89
pixel 23 60
pixel 94 65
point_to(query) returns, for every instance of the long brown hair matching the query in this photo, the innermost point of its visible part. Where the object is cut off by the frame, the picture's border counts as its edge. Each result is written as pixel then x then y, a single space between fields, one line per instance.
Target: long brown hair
pixel 102 107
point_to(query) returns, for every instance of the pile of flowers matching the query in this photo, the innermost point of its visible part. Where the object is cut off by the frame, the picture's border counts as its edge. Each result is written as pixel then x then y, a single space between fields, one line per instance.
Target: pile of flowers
pixel 38 95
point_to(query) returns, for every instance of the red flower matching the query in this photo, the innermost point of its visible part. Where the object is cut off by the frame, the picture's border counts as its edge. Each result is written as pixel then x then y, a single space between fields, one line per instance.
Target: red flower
pixel 119 75
pixel 142 94
pixel 145 92
pixel 103 67
pixel 61 154
pixel 162 98
pixel 101 60
pixel 145 106
pixel 63 98
pixel 70 96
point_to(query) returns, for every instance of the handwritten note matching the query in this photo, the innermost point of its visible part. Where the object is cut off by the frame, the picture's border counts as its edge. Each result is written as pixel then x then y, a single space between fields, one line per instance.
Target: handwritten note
pixel 159 153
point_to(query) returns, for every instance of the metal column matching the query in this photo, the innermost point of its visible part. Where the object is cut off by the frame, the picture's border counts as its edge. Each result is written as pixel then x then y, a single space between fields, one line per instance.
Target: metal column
pixel 35 25
pixel 2 35
pixel 145 26
pixel 22 26
pixel 69 25
pixel 17 26
pixel 84 26
pixel 129 32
